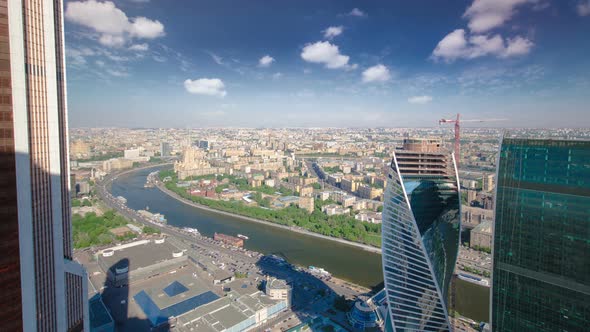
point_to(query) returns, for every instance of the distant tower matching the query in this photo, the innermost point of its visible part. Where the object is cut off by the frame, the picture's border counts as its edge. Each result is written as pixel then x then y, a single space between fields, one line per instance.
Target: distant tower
pixel 420 229
pixel 541 251
pixel 42 288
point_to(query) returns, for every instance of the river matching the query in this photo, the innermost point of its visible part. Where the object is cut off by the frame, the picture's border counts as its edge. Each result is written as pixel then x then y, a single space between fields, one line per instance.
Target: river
pixel 343 261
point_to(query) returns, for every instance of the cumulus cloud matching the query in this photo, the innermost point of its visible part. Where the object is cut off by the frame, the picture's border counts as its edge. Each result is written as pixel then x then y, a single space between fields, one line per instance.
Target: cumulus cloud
pixel 206 86
pixel 139 47
pixel 266 61
pixel 420 100
pixel 357 13
pixel 115 29
pixel 276 76
pixel 332 32
pixel 326 53
pixel 583 8
pixel 377 73
pixel 484 15
pixel 457 45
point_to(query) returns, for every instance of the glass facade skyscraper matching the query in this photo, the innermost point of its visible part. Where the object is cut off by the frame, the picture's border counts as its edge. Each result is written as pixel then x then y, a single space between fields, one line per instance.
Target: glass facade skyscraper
pixel 421 231
pixel 541 268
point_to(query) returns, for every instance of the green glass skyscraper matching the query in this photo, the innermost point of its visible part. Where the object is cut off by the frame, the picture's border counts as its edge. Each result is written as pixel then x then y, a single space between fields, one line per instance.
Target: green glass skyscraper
pixel 541 269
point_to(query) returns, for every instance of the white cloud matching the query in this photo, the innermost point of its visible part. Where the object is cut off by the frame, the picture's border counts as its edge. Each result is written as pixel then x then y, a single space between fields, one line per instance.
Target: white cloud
pixel 78 56
pixel 332 32
pixel 218 60
pixel 517 46
pixel 115 29
pixel 485 15
pixel 145 28
pixel 206 86
pixel 456 45
pixel 266 61
pixel 357 12
pixel 583 8
pixel 277 75
pixel 377 73
pixel 139 47
pixel 420 100
pixel 327 54
pixel 117 73
pixel 112 40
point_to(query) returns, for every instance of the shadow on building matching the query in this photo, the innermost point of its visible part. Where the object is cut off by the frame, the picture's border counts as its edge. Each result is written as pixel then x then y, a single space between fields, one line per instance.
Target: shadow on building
pixel 115 296
pixel 313 301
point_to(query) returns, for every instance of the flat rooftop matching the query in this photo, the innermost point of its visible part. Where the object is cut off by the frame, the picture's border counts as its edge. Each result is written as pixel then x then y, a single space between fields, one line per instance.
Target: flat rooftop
pixel 224 313
pixel 172 294
pixel 140 256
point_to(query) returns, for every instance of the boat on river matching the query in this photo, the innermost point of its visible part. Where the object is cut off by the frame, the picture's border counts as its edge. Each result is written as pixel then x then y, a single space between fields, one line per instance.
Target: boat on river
pixel 243 237
pixel 473 279
pixel 319 271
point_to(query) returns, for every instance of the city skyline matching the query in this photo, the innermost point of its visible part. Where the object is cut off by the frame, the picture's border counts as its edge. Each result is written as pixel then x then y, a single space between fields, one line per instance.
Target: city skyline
pixel 337 64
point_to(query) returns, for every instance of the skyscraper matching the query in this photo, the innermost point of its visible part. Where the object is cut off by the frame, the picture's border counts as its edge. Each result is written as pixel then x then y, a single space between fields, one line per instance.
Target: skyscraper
pixel 541 266
pixel 42 288
pixel 165 149
pixel 421 228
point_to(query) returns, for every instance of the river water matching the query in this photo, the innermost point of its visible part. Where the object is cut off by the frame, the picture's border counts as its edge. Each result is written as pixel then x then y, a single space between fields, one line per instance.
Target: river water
pixel 343 261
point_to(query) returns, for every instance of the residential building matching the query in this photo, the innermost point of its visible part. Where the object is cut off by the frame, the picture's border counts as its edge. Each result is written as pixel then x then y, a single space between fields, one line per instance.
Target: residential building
pixel 541 262
pixel 203 144
pixel 488 182
pixel 473 216
pixel 481 235
pixel 334 209
pixel 306 203
pixel 116 164
pixel 471 195
pixel 421 227
pixel 306 191
pixel 79 149
pixel 132 154
pixel 43 289
pixel 165 149
pixel 369 192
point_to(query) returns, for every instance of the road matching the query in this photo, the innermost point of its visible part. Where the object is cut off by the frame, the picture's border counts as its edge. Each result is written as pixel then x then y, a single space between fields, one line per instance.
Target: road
pixel 339 286
pixel 306 287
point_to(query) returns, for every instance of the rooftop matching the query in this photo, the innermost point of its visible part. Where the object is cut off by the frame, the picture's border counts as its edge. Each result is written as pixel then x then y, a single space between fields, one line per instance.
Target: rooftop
pixel 139 256
pixel 484 227
pixel 224 313
pixel 172 295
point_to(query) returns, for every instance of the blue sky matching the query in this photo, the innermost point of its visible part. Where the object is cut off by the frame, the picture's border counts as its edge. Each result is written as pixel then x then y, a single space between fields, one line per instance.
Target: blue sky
pixel 213 63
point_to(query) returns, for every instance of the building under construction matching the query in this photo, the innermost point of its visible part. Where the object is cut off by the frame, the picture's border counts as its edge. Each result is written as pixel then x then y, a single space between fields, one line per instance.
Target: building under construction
pixel 423 156
pixel 421 228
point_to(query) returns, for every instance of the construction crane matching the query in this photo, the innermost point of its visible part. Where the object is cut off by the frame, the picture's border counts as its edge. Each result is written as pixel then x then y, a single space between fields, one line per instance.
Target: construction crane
pixel 457 122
